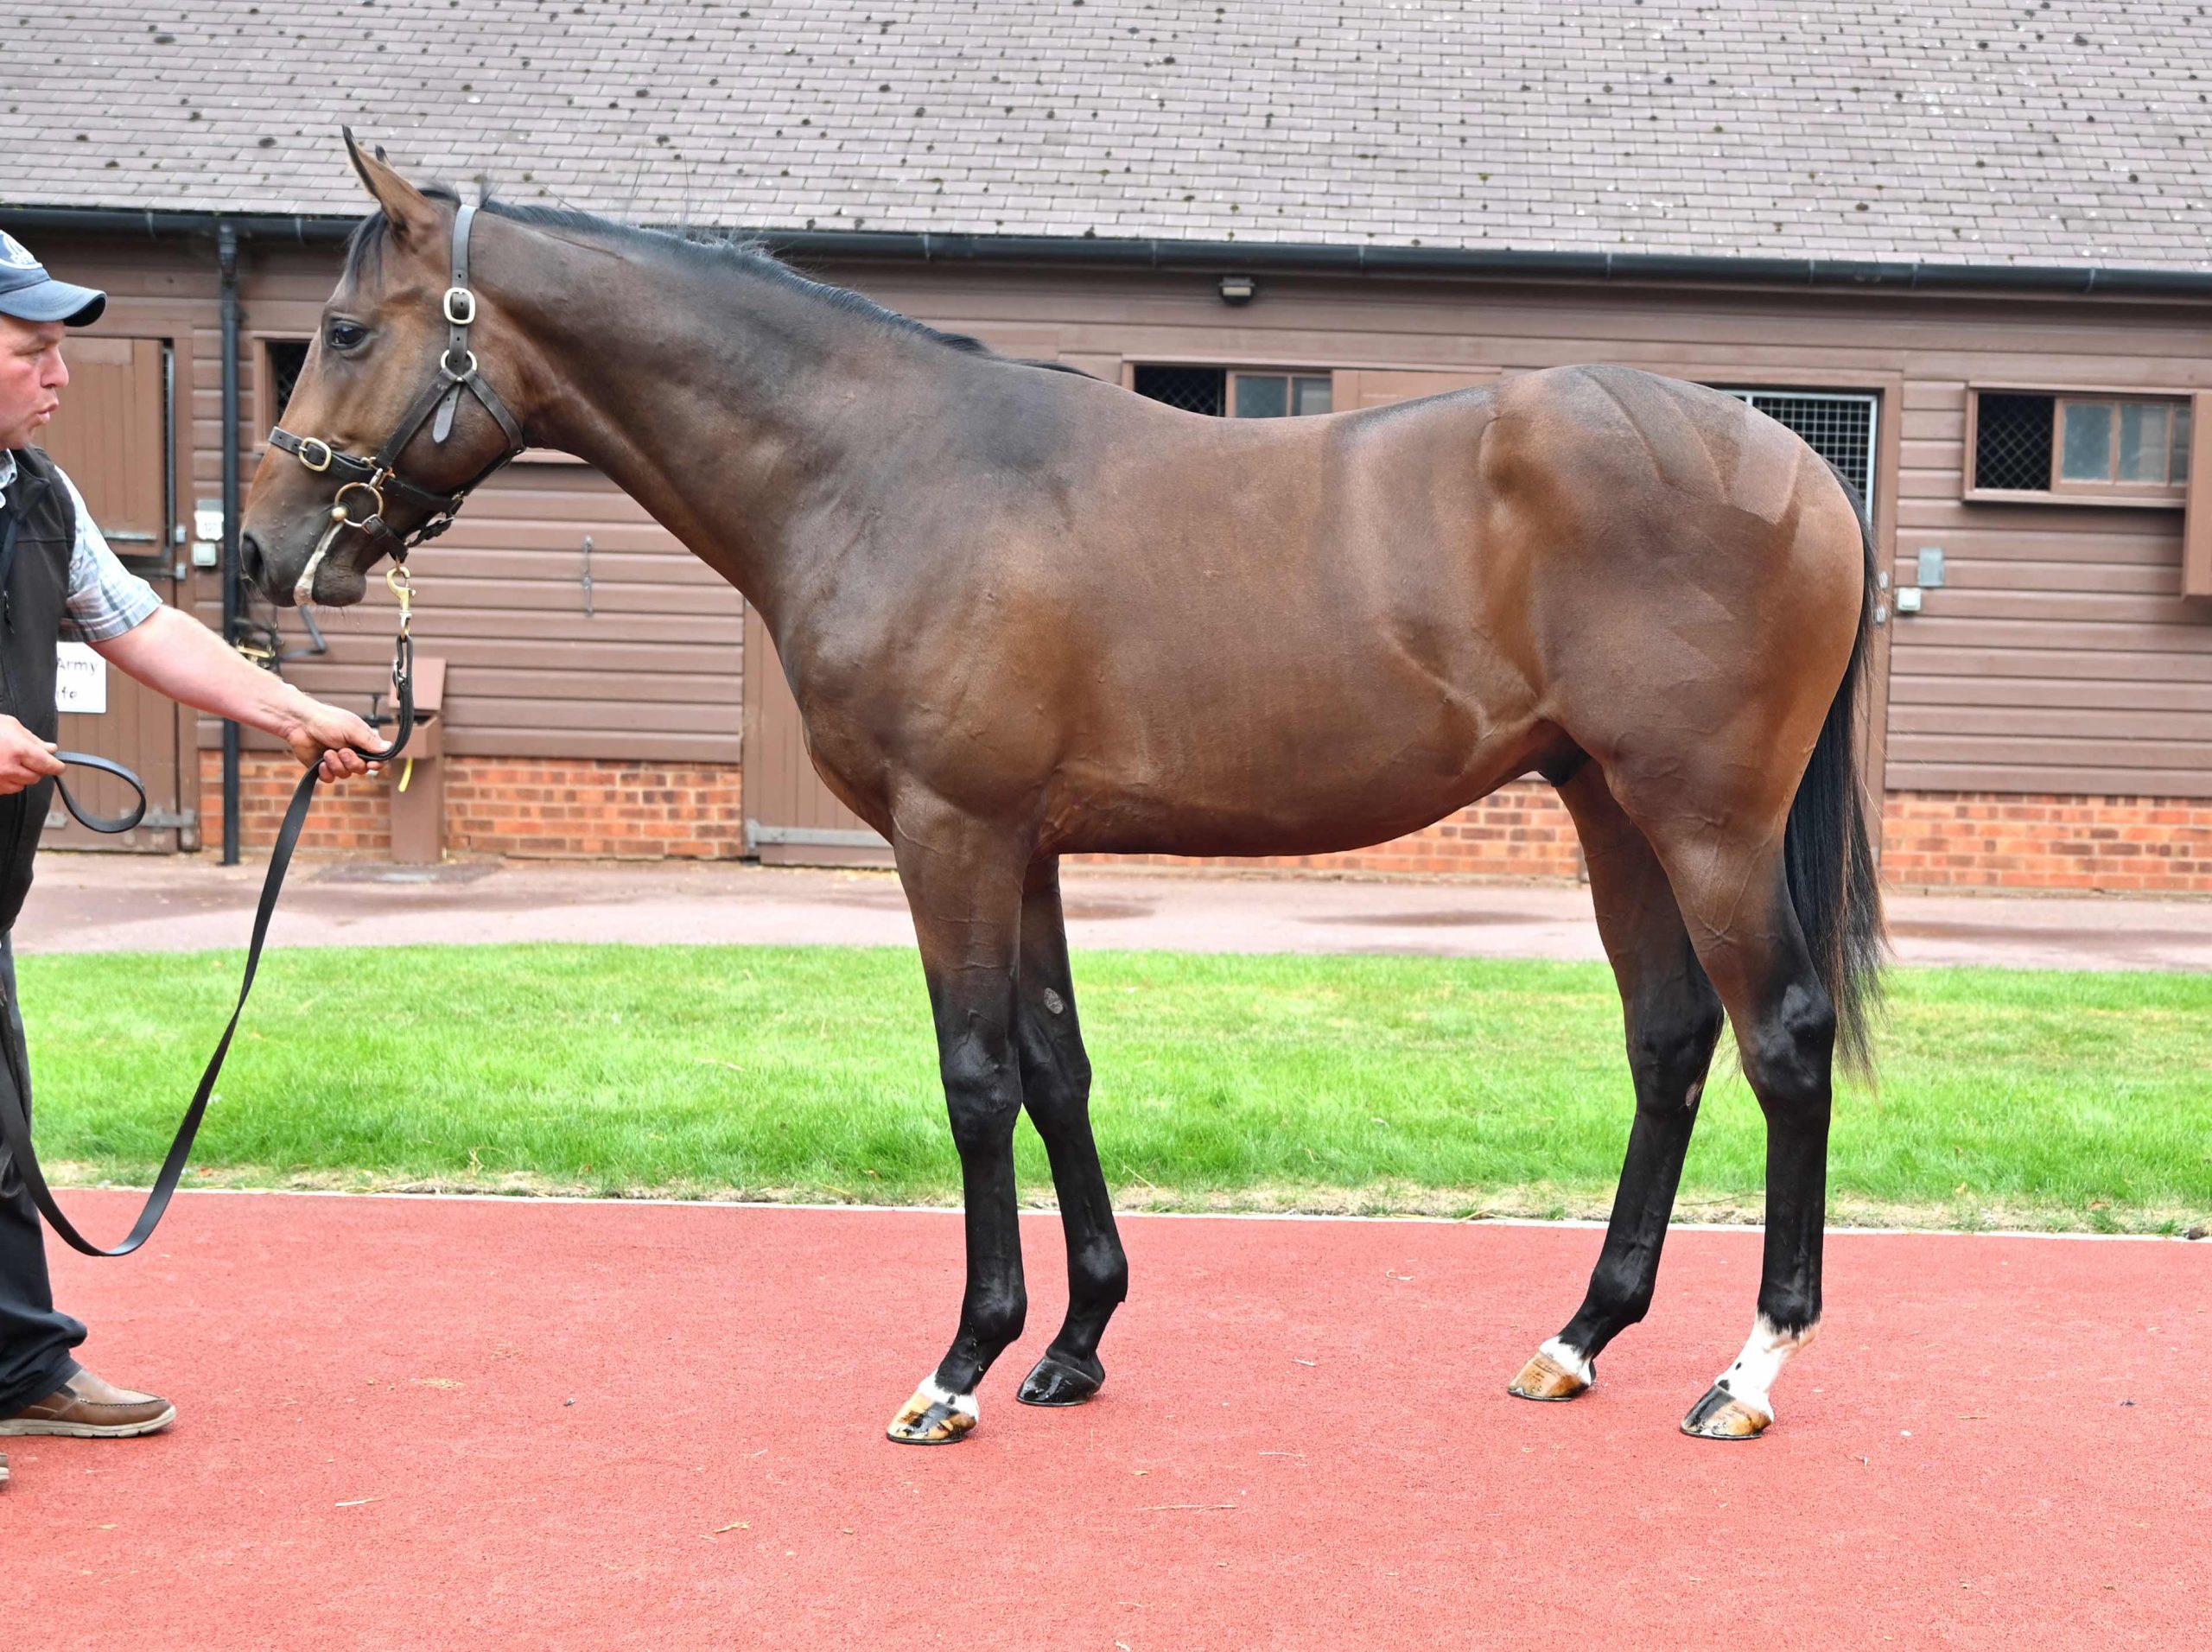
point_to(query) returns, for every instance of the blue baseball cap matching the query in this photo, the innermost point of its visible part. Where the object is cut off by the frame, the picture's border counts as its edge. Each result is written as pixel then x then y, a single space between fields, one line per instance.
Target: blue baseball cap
pixel 29 294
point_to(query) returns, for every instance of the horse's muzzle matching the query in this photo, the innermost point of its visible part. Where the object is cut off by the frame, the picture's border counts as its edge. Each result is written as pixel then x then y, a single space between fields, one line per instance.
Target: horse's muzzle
pixel 252 563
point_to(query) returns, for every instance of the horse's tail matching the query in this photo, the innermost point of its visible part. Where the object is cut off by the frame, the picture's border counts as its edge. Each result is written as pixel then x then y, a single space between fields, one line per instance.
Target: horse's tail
pixel 1828 850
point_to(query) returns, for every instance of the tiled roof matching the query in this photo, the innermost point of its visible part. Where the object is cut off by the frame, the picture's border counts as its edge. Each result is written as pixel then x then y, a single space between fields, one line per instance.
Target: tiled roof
pixel 1959 130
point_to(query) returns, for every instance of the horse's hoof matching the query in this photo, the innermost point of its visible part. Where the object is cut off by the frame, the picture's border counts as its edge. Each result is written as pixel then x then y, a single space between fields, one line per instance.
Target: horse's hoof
pixel 1545 1378
pixel 1722 1415
pixel 1057 1382
pixel 934 1417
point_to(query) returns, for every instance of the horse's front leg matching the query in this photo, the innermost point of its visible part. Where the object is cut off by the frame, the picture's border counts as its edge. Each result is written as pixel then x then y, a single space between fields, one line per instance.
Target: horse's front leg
pixel 1056 1089
pixel 964 881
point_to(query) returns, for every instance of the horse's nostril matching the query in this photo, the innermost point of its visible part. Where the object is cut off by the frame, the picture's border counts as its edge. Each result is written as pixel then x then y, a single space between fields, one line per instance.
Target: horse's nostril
pixel 249 560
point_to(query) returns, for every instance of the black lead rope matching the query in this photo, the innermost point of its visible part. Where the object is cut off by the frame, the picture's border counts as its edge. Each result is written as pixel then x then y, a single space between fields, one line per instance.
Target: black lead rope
pixel 15 1118
pixel 108 823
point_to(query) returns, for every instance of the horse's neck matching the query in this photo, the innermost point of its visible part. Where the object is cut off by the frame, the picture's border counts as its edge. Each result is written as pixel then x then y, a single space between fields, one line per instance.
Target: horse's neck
pixel 730 410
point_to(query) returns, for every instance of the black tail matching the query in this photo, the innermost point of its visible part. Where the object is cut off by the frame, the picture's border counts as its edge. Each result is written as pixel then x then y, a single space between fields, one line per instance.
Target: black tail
pixel 1829 853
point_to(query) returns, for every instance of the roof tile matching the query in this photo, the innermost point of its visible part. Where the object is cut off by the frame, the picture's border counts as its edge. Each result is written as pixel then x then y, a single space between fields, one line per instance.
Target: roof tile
pixel 1970 128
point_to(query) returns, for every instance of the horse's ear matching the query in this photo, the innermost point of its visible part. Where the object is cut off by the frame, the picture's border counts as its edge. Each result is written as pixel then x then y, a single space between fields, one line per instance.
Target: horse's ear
pixel 413 216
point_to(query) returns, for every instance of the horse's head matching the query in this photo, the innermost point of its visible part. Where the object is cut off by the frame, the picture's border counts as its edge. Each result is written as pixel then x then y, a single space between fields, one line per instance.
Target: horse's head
pixel 390 421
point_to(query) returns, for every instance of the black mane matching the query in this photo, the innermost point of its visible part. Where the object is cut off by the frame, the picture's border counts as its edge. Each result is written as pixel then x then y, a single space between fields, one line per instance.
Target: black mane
pixel 747 255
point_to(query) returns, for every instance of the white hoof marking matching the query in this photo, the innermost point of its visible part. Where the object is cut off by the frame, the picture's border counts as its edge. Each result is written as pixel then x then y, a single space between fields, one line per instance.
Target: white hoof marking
pixel 934 1417
pixel 963 1403
pixel 1752 1378
pixel 1569 1360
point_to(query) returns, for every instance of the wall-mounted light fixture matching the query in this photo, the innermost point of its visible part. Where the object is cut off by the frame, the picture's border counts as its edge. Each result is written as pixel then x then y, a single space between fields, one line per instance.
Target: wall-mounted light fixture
pixel 1238 289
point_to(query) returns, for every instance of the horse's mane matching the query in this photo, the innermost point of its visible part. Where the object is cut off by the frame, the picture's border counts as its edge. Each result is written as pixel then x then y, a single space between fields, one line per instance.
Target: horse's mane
pixel 739 254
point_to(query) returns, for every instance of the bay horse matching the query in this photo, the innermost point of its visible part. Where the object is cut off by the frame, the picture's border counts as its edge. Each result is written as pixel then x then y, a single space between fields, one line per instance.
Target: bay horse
pixel 1028 613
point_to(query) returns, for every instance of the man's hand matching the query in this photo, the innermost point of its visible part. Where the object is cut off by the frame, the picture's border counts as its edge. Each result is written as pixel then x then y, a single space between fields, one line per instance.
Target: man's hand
pixel 174 652
pixel 325 731
pixel 25 759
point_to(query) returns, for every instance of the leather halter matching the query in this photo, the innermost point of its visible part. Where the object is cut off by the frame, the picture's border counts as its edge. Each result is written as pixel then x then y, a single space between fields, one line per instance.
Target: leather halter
pixel 436 406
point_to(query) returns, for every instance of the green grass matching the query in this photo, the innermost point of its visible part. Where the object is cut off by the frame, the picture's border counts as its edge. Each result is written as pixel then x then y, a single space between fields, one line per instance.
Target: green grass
pixel 2064 1100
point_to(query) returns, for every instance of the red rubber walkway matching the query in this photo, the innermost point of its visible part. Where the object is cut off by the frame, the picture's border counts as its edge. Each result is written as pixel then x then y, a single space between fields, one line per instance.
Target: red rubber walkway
pixel 414 1423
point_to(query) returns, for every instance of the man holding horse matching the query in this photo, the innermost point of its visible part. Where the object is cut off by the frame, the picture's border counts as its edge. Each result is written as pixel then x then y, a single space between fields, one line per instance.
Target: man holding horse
pixel 59 580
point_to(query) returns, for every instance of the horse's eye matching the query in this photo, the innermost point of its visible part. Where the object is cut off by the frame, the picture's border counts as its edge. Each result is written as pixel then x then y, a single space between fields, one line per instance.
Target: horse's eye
pixel 344 335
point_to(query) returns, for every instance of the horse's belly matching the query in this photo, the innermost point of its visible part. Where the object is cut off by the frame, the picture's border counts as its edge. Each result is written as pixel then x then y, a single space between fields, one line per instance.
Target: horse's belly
pixel 1309 789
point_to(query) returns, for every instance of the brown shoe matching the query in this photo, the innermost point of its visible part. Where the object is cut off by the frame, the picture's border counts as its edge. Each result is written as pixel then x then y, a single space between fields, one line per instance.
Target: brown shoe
pixel 87 1407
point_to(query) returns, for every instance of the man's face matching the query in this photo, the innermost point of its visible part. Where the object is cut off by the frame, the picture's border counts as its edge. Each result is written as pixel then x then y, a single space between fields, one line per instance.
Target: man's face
pixel 31 377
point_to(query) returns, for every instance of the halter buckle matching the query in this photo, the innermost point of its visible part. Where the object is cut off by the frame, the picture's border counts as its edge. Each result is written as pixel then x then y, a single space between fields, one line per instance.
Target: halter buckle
pixel 445 366
pixel 321 445
pixel 465 314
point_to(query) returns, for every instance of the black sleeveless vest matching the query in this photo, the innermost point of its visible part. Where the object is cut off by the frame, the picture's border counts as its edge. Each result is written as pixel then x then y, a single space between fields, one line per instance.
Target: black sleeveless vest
pixel 40 537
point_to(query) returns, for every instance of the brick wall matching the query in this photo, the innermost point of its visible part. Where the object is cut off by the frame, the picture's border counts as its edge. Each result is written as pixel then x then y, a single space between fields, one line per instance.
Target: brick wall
pixel 1995 840
pixel 1520 831
pixel 1930 841
pixel 352 818
pixel 504 805
pixel 591 809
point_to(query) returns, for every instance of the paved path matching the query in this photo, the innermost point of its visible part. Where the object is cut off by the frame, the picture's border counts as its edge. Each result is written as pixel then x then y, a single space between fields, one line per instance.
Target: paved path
pixel 438 1424
pixel 94 902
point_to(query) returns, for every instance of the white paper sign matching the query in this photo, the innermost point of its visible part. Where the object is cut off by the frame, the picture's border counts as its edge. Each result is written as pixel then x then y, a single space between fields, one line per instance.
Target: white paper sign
pixel 79 678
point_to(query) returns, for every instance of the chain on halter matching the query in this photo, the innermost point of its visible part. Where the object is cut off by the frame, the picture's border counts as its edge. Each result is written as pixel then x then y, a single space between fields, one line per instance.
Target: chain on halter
pixel 372 479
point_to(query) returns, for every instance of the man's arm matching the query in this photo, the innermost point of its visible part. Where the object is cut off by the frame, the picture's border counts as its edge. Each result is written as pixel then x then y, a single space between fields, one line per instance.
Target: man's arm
pixel 167 650
pixel 171 652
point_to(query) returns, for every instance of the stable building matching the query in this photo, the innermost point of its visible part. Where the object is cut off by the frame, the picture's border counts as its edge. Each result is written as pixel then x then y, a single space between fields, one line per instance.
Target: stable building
pixel 1966 251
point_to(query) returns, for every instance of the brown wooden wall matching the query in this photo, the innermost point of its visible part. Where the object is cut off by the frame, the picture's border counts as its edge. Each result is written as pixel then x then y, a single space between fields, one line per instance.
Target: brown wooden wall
pixel 113 436
pixel 2060 659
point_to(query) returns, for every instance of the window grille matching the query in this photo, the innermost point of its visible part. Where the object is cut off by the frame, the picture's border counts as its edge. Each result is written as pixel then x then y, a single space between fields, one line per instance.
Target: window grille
pixel 1838 425
pixel 1195 390
pixel 287 359
pixel 1223 391
pixel 2011 444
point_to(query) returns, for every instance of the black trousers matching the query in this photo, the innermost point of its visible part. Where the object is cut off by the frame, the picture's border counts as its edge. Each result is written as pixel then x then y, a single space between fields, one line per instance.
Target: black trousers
pixel 36 1343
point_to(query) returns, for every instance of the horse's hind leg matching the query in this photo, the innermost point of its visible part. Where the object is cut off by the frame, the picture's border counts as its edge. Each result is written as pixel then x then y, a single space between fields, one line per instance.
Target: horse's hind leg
pixel 1056 1089
pixel 1672 1017
pixel 964 881
pixel 1731 882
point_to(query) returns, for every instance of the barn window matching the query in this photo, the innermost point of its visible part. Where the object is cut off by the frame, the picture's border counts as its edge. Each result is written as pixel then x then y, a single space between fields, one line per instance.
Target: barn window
pixel 1195 390
pixel 1274 396
pixel 1233 392
pixel 2104 446
pixel 1838 425
pixel 2012 447
pixel 286 360
pixel 2133 445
